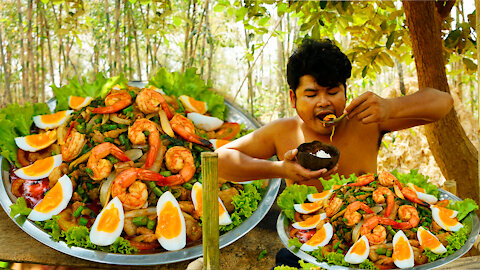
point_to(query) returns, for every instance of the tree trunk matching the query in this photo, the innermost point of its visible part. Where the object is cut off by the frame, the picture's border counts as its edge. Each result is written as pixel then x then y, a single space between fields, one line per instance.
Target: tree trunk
pixel 5 70
pixel 109 34
pixel 187 35
pixel 22 50
pixel 137 52
pixel 455 154
pixel 281 73
pixel 117 66
pixel 40 41
pixel 477 27
pixel 30 66
pixel 47 34
pixel 401 82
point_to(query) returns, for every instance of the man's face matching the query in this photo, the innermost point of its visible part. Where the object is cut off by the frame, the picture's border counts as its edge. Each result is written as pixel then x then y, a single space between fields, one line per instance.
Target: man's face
pixel 313 102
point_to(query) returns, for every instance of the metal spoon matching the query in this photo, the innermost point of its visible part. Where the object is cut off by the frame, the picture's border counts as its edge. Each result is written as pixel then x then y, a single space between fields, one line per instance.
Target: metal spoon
pixel 334 121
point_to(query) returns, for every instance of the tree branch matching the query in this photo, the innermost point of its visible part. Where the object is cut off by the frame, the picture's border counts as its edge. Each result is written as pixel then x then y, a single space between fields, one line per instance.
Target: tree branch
pixel 444 7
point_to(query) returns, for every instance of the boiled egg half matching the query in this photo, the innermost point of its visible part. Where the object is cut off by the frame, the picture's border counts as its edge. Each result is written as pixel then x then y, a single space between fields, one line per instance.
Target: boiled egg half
pixel 402 251
pixel 307 208
pixel 207 123
pixel 217 143
pixel 322 196
pixel 359 251
pixel 423 195
pixel 428 240
pixel 321 238
pixel 55 200
pixel 109 224
pixel 446 218
pixel 170 231
pixel 40 168
pixel 33 143
pixel 77 103
pixel 310 222
pixel 193 105
pixel 49 121
pixel 197 199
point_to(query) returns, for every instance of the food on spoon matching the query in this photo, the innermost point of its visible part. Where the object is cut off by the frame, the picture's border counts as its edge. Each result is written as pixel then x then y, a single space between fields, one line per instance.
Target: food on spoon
pixel 109 224
pixel 40 168
pixel 49 121
pixel 56 199
pixel 329 117
pixel 35 142
pixel 77 103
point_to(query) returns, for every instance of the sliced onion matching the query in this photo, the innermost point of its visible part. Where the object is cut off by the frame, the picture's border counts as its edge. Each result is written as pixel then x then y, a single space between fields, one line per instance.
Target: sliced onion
pixel 377 208
pixel 105 189
pixel 91 123
pixel 398 192
pixel 356 231
pixel 134 154
pixel 105 118
pixel 119 120
pixel 141 212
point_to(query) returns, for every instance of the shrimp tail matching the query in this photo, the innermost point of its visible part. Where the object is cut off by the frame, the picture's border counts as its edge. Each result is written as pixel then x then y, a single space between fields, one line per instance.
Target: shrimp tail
pixel 166 109
pixel 390 205
pixel 152 154
pixel 150 176
pixel 118 153
pixel 171 180
pixel 192 137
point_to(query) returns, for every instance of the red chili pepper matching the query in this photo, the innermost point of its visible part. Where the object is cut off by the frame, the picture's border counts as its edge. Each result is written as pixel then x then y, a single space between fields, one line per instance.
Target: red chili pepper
pixel 228 131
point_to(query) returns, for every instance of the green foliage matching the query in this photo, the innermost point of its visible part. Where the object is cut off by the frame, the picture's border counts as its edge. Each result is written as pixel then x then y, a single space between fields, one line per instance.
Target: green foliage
pixel 19 210
pixel 337 180
pixel 463 207
pixel 291 195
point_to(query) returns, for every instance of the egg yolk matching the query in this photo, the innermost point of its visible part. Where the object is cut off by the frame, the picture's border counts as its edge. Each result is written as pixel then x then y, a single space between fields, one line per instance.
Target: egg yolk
pixel 321 195
pixel 76 101
pixel 428 240
pixel 359 248
pixel 311 206
pixel 199 201
pixel 39 167
pixel 221 210
pixel 445 215
pixel 53 118
pixel 219 143
pixel 51 200
pixel 418 189
pixel 198 106
pixel 169 222
pixel 318 237
pixel 109 220
pixel 309 221
pixel 39 140
pixel 401 251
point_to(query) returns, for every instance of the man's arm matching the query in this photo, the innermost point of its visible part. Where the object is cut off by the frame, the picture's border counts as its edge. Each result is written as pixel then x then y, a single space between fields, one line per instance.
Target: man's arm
pixel 424 106
pixel 247 158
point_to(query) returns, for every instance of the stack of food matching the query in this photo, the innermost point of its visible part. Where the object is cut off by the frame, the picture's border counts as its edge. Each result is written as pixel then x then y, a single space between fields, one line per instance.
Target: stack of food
pixel 375 222
pixel 120 171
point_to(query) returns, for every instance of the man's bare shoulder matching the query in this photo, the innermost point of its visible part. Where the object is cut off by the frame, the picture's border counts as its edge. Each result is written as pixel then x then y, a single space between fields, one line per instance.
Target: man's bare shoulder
pixel 283 124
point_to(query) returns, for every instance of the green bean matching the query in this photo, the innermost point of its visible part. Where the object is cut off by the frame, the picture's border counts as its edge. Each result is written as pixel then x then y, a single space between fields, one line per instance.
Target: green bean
pixel 140 221
pixel 151 224
pixel 336 245
pixel 390 230
pixel 108 127
pixel 122 126
pixel 151 184
pixel 89 185
pixel 78 212
pixel 82 221
pixel 389 253
pixel 359 193
pixel 110 140
pixel 188 186
pixel 157 191
pixel 112 159
pixel 80 120
pixel 166 173
pixel 128 109
pixel 80 190
pixel 381 251
pixel 81 128
pixel 414 230
pixel 146 132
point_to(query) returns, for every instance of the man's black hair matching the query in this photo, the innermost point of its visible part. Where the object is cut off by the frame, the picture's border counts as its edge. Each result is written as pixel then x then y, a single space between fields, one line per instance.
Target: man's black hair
pixel 321 59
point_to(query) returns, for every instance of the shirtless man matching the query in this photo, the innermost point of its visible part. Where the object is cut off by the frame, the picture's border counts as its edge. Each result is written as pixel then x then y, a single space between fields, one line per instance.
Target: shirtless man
pixel 317 74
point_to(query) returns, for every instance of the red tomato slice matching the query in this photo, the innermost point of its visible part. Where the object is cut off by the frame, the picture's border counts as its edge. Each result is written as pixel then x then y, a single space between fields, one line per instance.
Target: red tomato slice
pixel 228 131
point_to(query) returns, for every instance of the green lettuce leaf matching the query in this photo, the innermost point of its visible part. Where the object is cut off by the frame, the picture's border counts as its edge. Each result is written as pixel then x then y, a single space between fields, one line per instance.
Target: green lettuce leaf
pixel 337 180
pixel 19 210
pixel 291 195
pixel 191 84
pixel 8 148
pixel 284 267
pixel 308 266
pixel 417 179
pixel 100 87
pixel 52 227
pixel 463 207
pixel 455 242
pixel 246 202
pixel 295 243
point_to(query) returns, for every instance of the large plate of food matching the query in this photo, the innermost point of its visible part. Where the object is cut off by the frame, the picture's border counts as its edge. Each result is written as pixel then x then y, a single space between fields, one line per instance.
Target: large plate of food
pixel 384 221
pixel 110 171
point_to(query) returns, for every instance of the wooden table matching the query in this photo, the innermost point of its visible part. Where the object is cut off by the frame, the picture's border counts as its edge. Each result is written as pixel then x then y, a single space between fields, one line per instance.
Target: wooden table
pixel 17 246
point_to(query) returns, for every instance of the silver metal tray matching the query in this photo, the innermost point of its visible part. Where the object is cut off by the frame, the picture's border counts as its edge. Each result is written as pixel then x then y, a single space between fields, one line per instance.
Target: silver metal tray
pixel 471 220
pixel 235 114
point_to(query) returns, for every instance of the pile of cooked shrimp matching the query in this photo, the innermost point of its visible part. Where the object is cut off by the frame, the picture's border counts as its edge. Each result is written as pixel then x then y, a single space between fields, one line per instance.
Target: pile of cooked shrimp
pixel 379 210
pixel 135 144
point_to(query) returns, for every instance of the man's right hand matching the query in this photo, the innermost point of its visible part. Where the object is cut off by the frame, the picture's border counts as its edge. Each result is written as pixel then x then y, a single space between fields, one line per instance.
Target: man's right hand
pixel 297 173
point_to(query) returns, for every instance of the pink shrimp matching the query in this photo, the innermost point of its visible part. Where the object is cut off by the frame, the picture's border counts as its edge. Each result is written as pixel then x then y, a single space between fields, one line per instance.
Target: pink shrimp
pixel 363 180
pixel 185 128
pixel 179 159
pixel 100 167
pixel 150 101
pixel 378 197
pixel 136 136
pixel 115 101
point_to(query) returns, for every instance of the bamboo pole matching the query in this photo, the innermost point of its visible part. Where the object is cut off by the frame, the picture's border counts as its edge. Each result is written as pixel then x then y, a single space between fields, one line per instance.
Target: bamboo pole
pixel 211 253
pixel 477 7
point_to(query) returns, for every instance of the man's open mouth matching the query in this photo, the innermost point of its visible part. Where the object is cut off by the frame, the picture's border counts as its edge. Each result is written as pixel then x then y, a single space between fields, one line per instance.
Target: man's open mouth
pixel 321 115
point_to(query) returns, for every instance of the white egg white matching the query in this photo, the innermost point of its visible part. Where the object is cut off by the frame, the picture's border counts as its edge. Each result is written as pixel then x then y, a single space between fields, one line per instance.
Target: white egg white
pixel 178 242
pixel 428 198
pixel 188 106
pixel 207 123
pixel 23 144
pixel 436 217
pixel 326 196
pixel 355 258
pixel 300 226
pixel 65 184
pixel 439 249
pixel 299 207
pixel 328 236
pixel 103 238
pixel 40 124
pixel 409 262
pixel 57 161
